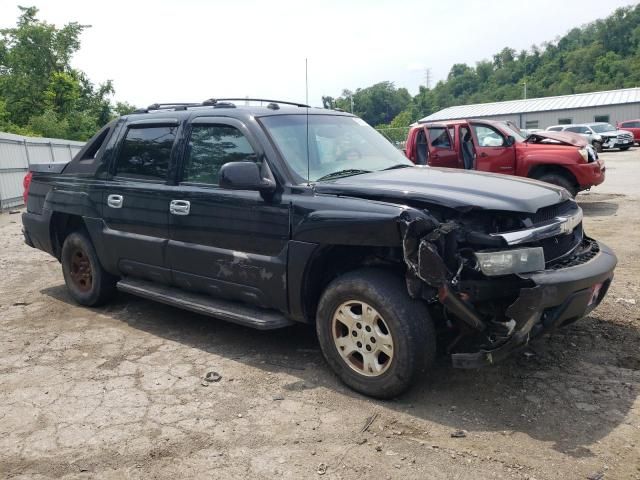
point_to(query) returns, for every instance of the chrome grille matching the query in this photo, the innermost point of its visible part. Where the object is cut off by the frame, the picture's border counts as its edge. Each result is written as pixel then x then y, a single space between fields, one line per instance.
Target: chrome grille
pixel 547 214
pixel 624 136
pixel 561 245
pixel 589 248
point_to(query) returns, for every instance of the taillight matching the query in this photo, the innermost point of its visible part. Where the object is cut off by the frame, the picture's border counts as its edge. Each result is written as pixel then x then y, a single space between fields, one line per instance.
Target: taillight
pixel 26 183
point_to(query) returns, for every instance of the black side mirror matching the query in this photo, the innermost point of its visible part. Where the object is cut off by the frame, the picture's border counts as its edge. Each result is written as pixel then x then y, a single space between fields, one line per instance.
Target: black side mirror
pixel 244 176
pixel 510 140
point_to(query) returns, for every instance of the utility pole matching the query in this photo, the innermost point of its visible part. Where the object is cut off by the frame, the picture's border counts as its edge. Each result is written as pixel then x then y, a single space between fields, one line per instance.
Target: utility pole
pixel 525 89
pixel 427 77
pixel 352 103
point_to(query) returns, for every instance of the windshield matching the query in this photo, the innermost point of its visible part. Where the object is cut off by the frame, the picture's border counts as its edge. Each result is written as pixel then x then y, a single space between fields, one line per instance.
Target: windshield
pixel 605 127
pixel 338 145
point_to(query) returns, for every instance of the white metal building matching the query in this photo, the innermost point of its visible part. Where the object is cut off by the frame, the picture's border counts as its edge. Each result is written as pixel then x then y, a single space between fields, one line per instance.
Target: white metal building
pixel 609 106
pixel 18 152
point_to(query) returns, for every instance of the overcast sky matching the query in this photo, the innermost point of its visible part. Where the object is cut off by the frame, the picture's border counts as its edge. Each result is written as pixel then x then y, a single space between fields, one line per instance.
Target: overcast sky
pixel 191 50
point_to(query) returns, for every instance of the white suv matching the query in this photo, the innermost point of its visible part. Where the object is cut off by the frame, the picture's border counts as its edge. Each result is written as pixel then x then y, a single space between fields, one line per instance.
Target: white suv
pixel 600 134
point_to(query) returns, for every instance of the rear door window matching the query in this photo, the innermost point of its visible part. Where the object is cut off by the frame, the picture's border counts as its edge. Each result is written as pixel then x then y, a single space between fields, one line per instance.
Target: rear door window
pixel 439 137
pixel 146 152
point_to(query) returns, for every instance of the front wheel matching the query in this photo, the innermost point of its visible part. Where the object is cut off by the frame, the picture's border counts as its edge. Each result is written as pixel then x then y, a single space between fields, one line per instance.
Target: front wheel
pixel 561 181
pixel 373 335
pixel 623 149
pixel 597 146
pixel 88 283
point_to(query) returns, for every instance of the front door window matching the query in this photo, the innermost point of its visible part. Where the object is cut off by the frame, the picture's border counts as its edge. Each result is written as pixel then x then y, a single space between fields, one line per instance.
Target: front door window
pixel 210 147
pixel 488 137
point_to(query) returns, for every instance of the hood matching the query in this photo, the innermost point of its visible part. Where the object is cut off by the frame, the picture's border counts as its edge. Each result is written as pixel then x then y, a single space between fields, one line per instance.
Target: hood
pixel 615 133
pixel 566 138
pixel 448 187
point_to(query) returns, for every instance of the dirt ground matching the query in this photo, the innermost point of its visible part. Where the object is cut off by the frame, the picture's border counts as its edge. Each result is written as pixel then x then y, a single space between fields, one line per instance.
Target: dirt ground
pixel 117 392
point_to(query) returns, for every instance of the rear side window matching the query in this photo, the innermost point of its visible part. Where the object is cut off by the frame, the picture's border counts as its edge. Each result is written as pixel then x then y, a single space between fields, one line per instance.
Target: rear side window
pixel 90 153
pixel 210 147
pixel 554 129
pixel 630 125
pixel 146 152
pixel 439 137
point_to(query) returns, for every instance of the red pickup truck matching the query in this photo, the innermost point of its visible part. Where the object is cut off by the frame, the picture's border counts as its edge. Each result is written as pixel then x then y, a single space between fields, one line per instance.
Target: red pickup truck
pixel 632 126
pixel 561 158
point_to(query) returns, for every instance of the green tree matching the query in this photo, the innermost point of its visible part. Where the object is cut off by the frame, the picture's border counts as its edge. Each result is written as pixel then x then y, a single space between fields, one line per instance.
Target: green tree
pixel 124 108
pixel 377 104
pixel 602 55
pixel 40 92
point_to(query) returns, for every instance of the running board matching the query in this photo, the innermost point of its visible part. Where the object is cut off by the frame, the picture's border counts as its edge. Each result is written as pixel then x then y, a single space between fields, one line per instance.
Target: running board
pixel 234 312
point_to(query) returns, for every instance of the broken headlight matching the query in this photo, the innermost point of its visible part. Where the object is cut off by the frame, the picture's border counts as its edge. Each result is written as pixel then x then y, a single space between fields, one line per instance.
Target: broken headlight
pixel 511 261
pixel 584 153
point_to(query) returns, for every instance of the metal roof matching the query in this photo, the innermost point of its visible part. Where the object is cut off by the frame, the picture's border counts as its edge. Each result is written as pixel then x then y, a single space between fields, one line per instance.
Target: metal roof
pixel 563 102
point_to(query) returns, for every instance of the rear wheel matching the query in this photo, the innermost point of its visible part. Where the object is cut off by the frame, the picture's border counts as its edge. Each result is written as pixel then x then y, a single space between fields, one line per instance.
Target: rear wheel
pixel 561 181
pixel 373 335
pixel 88 283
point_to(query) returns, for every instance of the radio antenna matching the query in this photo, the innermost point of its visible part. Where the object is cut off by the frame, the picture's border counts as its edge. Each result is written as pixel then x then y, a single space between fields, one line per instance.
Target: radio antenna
pixel 306 86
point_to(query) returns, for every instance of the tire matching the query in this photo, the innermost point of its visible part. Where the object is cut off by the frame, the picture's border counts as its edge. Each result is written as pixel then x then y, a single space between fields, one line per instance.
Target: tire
pixel 597 146
pixel 88 283
pixel 624 149
pixel 409 332
pixel 561 181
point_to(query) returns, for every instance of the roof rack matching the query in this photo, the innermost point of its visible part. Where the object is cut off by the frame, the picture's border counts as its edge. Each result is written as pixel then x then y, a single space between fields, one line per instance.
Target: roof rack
pixel 216 103
pixel 167 106
pixel 213 101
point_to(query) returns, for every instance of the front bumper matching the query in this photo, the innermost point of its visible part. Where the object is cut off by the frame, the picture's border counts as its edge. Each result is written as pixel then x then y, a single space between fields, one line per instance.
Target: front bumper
pixel 558 297
pixel 616 143
pixel 589 174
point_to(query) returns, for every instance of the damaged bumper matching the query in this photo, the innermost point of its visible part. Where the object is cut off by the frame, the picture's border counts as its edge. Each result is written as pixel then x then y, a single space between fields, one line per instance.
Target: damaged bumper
pixel 492 316
pixel 557 297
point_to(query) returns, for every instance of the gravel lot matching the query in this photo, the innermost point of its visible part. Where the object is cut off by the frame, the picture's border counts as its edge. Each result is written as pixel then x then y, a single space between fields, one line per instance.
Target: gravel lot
pixel 118 392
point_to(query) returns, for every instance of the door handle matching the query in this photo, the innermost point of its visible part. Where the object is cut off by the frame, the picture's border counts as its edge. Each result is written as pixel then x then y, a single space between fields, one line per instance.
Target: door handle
pixel 179 207
pixel 115 201
pixel 483 154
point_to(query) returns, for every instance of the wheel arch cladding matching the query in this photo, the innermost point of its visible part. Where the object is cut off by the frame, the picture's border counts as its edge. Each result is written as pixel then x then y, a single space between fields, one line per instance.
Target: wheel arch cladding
pixel 61 225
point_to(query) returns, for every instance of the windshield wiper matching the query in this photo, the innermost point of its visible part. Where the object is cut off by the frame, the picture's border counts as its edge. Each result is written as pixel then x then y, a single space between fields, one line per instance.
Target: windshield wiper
pixel 399 165
pixel 342 173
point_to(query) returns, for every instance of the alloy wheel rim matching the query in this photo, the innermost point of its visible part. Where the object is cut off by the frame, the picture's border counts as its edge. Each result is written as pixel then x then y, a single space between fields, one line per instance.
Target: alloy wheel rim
pixel 80 270
pixel 362 338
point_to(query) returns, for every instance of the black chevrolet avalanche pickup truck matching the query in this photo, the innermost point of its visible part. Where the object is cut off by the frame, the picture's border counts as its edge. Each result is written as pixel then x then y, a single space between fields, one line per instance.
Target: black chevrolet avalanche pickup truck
pixel 270 215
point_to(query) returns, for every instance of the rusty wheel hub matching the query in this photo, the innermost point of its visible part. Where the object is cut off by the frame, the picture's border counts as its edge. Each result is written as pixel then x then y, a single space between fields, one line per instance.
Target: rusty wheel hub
pixel 80 270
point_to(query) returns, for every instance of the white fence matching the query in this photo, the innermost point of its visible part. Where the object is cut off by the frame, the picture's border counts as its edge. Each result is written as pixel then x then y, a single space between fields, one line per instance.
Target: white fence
pixel 18 152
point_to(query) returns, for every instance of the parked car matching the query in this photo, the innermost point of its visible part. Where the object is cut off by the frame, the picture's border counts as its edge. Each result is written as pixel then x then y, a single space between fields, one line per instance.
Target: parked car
pixel 632 126
pixel 559 158
pixel 528 131
pixel 610 136
pixel 217 208
pixel 595 139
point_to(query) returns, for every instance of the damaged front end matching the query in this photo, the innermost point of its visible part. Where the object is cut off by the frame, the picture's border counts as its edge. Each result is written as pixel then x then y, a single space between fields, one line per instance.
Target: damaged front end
pixel 498 279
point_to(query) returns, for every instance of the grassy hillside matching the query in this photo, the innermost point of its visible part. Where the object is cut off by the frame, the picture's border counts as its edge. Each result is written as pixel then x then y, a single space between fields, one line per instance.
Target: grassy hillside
pixel 602 55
